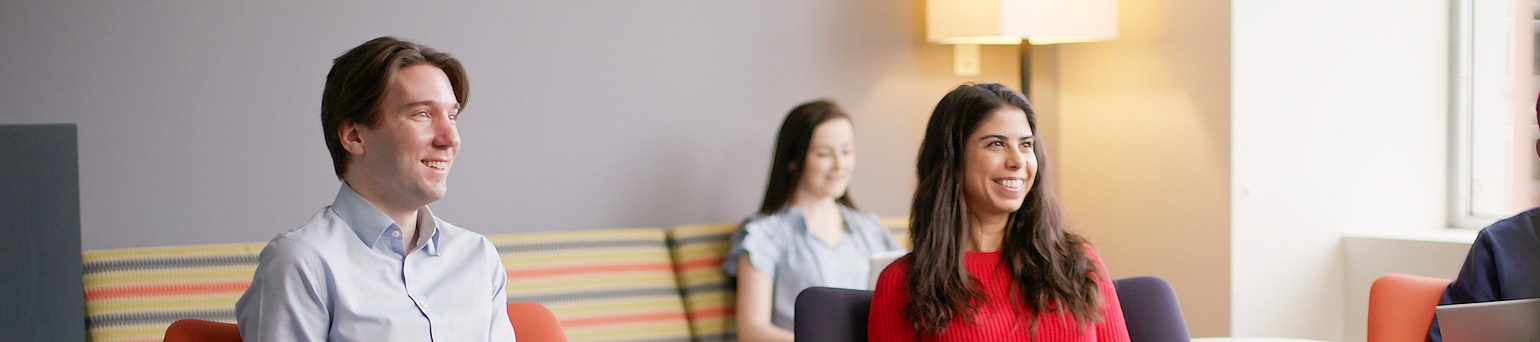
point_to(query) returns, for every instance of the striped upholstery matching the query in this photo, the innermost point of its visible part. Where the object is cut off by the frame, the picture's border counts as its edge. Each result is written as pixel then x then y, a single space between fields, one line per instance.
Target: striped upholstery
pixel 609 285
pixel 134 294
pixel 708 293
pixel 899 225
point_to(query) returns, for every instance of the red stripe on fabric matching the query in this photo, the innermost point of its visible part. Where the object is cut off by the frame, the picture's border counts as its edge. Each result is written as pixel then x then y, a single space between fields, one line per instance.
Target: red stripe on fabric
pixel 716 312
pixel 114 292
pixel 699 264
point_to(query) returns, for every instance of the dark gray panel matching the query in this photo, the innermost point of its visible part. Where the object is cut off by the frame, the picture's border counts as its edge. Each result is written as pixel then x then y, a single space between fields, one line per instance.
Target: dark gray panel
pixel 40 234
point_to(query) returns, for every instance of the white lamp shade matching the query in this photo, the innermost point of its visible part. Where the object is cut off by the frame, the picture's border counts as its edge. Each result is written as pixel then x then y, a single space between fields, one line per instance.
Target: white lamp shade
pixel 1010 21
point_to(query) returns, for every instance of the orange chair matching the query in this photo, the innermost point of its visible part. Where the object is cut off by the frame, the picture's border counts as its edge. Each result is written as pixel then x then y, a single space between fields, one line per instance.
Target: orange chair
pixel 197 330
pixel 533 322
pixel 1401 307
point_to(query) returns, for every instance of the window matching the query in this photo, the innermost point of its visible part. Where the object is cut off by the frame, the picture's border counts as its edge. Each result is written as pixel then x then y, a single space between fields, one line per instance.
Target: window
pixel 1495 171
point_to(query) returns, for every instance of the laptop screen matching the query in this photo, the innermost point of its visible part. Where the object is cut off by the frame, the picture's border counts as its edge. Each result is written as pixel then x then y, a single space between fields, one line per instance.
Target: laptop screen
pixel 1505 320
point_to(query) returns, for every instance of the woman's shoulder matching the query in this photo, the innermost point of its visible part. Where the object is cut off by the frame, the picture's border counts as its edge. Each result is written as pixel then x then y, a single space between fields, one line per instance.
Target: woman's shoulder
pixel 895 275
pixel 773 229
pixel 763 221
pixel 1090 251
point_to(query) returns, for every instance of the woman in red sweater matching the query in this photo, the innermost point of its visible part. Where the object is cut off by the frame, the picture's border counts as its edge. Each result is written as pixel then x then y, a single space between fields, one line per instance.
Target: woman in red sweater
pixel 992 260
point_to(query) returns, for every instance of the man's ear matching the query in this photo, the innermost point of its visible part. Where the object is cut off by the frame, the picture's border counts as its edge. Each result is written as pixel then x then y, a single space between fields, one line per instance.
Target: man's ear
pixel 352 137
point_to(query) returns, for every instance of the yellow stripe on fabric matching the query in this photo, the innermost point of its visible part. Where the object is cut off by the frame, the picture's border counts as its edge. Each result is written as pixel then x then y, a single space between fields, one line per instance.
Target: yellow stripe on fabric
pixel 574 287
pixel 540 286
pixel 518 260
pixel 177 303
pixel 129 332
pixel 687 231
pixel 702 277
pixel 640 233
pixel 249 248
pixel 172 276
pixel 714 324
pixel 702 251
pixel 630 332
pixel 610 306
pixel 706 276
pixel 610 279
pixel 714 299
pixel 600 250
pixel 590 280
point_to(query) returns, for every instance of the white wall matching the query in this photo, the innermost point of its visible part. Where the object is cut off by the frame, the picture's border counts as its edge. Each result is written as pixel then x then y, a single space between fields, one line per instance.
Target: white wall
pixel 1339 124
pixel 199 121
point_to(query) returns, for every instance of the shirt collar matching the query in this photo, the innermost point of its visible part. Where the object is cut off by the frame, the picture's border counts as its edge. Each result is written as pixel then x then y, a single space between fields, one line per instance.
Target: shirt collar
pixel 371 224
pixel 847 215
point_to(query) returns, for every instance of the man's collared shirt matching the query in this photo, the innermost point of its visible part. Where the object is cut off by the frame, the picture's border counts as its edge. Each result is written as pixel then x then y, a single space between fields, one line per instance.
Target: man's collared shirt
pixel 346 276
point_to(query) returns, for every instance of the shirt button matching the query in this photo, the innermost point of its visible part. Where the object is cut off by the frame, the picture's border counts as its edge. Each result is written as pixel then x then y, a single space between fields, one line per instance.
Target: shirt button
pixel 395 233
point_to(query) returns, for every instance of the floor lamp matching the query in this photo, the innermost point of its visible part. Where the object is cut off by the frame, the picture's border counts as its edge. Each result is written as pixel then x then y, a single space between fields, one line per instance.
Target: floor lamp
pixel 966 24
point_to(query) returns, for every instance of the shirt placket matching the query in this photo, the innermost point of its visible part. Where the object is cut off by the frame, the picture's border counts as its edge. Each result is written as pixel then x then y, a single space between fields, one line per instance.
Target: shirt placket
pixel 408 280
pixel 418 299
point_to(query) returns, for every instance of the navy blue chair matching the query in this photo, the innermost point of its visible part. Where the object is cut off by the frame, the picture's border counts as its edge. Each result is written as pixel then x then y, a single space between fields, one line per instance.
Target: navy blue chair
pixel 831 314
pixel 1150 310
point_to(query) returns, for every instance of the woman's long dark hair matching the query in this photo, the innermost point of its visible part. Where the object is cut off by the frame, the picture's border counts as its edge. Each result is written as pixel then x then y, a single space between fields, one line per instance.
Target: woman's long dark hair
pixel 791 151
pixel 1046 261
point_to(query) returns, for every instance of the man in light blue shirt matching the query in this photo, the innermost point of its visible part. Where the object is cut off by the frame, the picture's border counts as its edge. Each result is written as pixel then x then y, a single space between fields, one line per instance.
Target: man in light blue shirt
pixel 377 265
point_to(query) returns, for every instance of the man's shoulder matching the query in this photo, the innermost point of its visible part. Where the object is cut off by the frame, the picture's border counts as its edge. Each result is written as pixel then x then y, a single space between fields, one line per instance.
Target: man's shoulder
pixel 324 225
pixel 323 229
pixel 453 235
pixel 1526 223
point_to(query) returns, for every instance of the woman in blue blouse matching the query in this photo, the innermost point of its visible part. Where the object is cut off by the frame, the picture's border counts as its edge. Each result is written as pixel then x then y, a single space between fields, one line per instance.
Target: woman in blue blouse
pixel 807 232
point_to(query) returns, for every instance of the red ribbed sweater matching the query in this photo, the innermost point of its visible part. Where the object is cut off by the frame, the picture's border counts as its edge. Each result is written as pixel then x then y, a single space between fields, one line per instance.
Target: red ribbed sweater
pixel 995 319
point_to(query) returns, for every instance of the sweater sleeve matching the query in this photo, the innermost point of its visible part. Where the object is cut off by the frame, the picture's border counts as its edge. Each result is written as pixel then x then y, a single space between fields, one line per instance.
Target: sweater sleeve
pixel 886 321
pixel 1112 327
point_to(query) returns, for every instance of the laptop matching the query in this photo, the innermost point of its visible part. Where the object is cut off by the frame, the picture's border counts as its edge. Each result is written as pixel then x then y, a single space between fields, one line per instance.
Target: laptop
pixel 1504 320
pixel 880 261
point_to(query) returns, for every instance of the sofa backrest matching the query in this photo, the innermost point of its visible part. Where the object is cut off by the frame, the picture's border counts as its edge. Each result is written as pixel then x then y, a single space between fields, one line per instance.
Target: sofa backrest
pixel 610 284
pixel 133 294
pixel 709 295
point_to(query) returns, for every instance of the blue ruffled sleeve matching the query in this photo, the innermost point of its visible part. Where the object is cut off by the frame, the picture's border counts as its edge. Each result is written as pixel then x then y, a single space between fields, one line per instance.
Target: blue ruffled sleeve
pixel 763 238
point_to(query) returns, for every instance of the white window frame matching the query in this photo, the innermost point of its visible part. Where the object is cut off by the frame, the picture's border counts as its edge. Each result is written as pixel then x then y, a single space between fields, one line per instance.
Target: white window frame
pixel 1482 120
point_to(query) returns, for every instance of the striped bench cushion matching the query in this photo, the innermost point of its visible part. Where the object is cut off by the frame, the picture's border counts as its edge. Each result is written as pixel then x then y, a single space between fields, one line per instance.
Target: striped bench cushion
pixel 899 226
pixel 134 294
pixel 709 295
pixel 609 285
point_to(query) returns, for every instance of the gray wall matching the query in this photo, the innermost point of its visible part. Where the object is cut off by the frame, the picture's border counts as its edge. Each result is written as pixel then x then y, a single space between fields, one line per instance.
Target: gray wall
pixel 198 121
